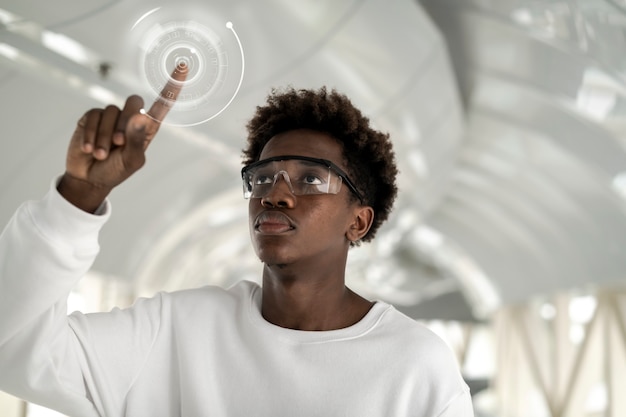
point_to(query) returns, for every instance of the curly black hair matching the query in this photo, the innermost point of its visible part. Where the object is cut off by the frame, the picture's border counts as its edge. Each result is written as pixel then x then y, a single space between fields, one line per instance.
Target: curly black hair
pixel 368 153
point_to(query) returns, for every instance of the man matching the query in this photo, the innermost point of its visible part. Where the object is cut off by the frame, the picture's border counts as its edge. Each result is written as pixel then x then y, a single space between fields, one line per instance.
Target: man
pixel 319 180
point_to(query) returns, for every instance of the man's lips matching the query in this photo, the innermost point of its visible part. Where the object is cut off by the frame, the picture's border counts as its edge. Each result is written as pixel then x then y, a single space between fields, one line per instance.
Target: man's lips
pixel 273 222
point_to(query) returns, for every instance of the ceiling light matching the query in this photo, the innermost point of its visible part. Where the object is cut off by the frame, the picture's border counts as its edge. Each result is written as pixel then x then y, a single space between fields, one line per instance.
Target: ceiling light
pixel 582 309
pixel 522 16
pixel 65 46
pixel 619 185
pixel 102 94
pixel 9 51
pixel 547 311
pixel 7 17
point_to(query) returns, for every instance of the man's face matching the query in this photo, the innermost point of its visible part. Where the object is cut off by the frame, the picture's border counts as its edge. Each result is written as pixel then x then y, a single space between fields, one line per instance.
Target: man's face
pixel 286 228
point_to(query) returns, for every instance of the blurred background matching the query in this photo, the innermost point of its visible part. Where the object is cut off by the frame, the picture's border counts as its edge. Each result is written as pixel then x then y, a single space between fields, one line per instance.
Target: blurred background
pixel 509 122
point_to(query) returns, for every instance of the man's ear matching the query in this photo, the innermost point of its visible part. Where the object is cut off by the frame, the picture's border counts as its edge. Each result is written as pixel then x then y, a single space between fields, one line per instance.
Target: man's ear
pixel 361 223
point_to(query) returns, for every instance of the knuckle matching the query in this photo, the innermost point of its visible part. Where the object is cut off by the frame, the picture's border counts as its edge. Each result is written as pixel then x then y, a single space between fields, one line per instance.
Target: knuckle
pixel 89 115
pixel 111 108
pixel 93 113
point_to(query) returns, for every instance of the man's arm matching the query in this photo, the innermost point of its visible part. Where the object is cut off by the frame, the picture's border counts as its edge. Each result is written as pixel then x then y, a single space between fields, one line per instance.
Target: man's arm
pixel 49 245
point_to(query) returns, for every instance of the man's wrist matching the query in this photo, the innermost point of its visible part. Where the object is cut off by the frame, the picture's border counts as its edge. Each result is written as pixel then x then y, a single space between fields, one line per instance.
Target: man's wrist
pixel 82 194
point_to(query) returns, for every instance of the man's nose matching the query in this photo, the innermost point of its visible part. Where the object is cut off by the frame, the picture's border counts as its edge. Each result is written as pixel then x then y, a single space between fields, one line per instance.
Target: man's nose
pixel 285 179
pixel 281 194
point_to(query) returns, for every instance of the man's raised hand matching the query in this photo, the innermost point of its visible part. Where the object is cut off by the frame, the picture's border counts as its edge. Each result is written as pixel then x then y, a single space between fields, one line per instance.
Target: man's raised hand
pixel 108 145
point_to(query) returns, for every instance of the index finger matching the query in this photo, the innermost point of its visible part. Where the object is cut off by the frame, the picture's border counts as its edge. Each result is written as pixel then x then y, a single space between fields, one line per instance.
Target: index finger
pixel 169 94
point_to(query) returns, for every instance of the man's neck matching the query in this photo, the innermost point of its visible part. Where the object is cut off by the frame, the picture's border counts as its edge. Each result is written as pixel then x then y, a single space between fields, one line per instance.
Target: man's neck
pixel 310 301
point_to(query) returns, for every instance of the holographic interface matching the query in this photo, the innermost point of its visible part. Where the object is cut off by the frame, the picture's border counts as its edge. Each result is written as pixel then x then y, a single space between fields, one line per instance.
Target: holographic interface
pixel 165 38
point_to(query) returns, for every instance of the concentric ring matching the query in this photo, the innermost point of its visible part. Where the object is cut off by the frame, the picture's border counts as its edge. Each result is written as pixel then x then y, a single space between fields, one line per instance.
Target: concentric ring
pixel 213 55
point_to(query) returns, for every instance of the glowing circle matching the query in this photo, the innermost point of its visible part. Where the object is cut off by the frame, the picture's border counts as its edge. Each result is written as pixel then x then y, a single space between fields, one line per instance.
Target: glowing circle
pixel 165 38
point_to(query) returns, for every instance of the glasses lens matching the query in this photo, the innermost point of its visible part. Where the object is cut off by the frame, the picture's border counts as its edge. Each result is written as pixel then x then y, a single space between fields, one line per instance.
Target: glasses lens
pixel 302 176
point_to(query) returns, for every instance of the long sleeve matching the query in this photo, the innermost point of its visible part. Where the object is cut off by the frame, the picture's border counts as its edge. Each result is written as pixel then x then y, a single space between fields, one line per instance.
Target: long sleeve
pixel 200 352
pixel 47 246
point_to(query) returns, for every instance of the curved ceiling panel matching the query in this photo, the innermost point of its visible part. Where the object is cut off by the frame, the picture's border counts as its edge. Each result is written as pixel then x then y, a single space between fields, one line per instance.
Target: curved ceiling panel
pixel 62 13
pixel 532 201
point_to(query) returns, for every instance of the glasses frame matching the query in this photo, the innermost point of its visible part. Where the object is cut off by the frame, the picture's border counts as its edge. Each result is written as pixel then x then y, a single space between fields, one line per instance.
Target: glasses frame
pixel 325 162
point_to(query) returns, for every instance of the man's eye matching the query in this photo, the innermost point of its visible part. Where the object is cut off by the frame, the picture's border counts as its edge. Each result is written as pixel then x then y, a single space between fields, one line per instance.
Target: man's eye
pixel 312 180
pixel 262 179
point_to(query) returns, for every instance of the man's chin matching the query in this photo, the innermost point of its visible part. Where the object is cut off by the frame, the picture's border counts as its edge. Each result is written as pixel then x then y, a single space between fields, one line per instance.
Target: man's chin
pixel 276 265
pixel 274 255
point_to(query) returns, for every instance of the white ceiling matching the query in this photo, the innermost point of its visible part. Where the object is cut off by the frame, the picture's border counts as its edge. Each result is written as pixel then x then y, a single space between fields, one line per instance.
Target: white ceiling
pixel 507 118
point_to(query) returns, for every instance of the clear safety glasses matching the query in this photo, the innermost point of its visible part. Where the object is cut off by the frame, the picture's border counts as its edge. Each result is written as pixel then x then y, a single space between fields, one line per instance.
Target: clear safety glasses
pixel 303 175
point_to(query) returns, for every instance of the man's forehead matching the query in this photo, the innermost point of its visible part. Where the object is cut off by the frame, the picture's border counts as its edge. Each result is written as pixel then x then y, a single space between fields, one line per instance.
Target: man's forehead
pixel 287 161
pixel 304 142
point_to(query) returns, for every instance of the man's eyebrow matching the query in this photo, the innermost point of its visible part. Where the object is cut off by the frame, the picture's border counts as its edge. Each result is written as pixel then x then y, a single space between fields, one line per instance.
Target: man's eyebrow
pixel 311 163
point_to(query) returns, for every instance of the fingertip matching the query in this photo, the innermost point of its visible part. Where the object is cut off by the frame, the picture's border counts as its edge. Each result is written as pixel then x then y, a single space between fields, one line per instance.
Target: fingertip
pixel 118 138
pixel 134 102
pixel 100 154
pixel 180 72
pixel 87 148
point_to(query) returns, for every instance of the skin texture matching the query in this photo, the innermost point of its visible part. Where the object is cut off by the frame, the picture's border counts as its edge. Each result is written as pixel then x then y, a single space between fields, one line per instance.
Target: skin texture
pixel 303 242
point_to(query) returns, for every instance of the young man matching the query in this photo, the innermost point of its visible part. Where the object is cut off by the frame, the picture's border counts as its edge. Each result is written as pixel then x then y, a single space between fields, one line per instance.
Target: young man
pixel 319 180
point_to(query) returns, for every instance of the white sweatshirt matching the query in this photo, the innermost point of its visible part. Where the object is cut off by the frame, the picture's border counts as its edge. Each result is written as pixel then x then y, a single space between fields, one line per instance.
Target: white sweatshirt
pixel 196 353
